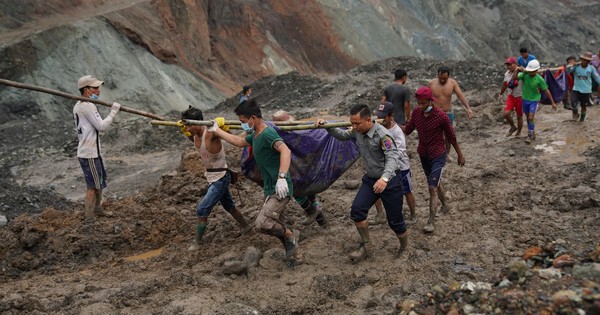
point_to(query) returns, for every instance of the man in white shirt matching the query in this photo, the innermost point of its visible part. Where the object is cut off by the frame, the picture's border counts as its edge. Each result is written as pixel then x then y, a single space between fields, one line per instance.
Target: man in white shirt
pixel 89 123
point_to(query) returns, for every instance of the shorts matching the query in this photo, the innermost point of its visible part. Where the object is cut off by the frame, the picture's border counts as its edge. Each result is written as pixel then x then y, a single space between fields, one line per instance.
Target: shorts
pixel 515 103
pixel 392 198
pixel 451 116
pixel 217 192
pixel 94 172
pixel 433 169
pixel 579 98
pixel 406 181
pixel 271 213
pixel 530 107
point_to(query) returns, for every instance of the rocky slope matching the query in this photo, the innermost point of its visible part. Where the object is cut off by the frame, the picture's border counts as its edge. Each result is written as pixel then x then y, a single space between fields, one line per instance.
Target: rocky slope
pixel 165 54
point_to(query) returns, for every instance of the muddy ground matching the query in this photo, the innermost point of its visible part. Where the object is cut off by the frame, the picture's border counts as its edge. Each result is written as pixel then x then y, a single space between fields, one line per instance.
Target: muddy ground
pixel 509 198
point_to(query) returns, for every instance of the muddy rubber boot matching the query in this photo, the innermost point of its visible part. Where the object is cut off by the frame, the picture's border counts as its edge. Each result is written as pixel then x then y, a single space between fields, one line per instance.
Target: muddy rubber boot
pixel 291 245
pixel 582 116
pixel 200 229
pixel 364 250
pixel 89 216
pixel 98 210
pixel 403 243
pixel 241 220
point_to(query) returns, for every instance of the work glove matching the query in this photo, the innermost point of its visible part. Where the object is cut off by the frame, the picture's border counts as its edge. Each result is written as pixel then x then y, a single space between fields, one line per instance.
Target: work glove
pixel 214 126
pixel 221 122
pixel 281 188
pixel 183 129
pixel 114 109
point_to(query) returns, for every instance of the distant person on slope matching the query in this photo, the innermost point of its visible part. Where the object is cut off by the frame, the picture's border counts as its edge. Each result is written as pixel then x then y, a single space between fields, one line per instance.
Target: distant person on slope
pixel 434 129
pixel 532 83
pixel 212 153
pixel 89 123
pixel 442 88
pixel 385 110
pixel 582 89
pixel 382 179
pixel 246 92
pixel 273 158
pixel 399 95
pixel 310 204
pixel 525 57
pixel 514 100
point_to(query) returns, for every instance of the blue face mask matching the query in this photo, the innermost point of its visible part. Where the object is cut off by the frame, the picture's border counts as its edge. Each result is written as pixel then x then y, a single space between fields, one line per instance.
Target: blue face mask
pixel 246 127
pixel 428 109
pixel 94 96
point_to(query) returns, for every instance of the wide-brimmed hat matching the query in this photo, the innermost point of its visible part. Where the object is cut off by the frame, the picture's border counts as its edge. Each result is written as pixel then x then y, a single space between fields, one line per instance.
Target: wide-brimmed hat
pixel 88 80
pixel 425 92
pixel 587 56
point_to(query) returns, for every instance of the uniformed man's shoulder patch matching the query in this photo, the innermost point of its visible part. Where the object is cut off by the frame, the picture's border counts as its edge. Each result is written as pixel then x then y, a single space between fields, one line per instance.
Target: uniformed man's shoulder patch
pixel 387 143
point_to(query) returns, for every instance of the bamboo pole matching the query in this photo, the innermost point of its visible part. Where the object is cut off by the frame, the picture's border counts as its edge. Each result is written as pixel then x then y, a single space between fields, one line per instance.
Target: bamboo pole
pixel 79 98
pixel 323 126
pixel 307 126
pixel 206 123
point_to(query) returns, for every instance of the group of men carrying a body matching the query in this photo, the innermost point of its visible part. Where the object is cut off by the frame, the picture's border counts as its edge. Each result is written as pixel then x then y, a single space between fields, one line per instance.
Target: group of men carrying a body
pixel 382 147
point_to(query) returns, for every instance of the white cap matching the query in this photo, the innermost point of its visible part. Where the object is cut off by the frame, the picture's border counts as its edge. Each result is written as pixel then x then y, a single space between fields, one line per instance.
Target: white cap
pixel 88 80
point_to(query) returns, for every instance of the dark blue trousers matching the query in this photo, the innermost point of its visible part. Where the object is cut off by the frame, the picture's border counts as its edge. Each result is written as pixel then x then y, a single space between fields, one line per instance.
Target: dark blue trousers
pixel 392 198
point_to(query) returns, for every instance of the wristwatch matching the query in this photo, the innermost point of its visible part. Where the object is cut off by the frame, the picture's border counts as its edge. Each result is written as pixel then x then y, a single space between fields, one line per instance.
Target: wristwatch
pixel 385 179
pixel 282 175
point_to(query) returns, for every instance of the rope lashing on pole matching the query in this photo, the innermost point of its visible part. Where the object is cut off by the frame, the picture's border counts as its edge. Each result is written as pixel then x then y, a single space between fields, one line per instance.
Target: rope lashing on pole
pixel 78 98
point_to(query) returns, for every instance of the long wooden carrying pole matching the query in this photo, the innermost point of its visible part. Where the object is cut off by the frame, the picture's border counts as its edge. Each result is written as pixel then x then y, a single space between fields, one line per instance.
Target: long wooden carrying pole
pixel 79 98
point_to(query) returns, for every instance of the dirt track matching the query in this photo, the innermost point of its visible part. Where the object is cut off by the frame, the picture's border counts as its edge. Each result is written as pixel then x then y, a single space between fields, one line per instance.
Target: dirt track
pixel 509 197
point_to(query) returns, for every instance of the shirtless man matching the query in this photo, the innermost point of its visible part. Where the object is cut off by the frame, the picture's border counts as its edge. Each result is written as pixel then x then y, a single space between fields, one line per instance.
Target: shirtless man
pixel 442 89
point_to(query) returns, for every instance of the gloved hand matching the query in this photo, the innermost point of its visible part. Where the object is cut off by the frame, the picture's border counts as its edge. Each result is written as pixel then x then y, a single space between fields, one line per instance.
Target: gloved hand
pixel 114 109
pixel 183 129
pixel 281 188
pixel 221 122
pixel 214 126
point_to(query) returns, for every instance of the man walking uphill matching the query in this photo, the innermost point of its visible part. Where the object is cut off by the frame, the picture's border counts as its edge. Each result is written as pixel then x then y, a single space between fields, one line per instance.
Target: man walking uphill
pixel 399 95
pixel 532 84
pixel 273 158
pixel 89 123
pixel 382 180
pixel 433 126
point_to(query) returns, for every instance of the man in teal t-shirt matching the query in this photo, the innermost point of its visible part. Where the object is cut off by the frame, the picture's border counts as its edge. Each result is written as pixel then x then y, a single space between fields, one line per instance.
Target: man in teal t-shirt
pixel 582 89
pixel 273 158
pixel 532 83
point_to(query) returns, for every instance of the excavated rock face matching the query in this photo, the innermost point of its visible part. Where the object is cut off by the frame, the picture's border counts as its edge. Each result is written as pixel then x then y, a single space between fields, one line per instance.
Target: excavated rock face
pixel 163 55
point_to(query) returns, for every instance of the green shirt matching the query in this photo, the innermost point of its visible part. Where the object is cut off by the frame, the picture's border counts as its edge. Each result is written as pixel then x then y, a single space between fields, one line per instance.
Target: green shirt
pixel 532 86
pixel 267 159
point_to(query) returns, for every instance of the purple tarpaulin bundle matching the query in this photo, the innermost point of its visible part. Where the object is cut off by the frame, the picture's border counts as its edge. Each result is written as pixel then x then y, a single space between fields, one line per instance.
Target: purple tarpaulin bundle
pixel 318 160
pixel 557 87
